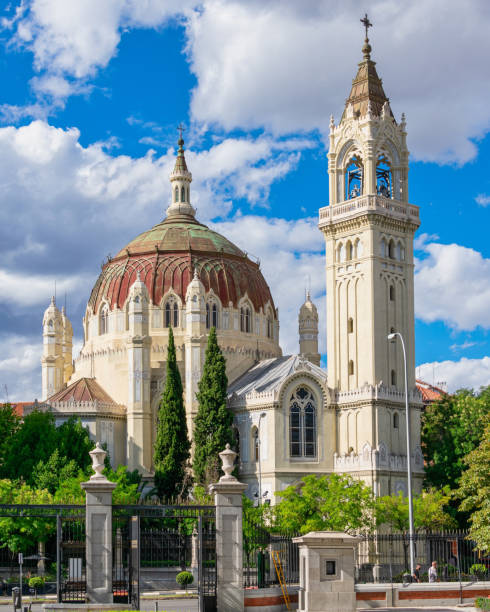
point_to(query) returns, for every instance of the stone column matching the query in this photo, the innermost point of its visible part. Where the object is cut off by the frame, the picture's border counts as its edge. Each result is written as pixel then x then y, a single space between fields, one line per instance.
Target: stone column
pixel 229 536
pixel 98 526
pixel 326 572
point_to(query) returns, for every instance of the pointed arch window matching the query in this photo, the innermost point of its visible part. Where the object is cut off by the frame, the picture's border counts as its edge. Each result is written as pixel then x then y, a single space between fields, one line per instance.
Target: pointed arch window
pixel 302 423
pixel 351 367
pixel 245 319
pixel 382 247
pixel 392 293
pixel 353 178
pixel 104 320
pixel 350 251
pixel 171 313
pixel 393 378
pixel 396 421
pixel 384 177
pixel 188 195
pixel 256 443
pixel 176 194
pixel 269 326
pixel 391 249
pixel 211 315
pixel 350 325
pixel 182 194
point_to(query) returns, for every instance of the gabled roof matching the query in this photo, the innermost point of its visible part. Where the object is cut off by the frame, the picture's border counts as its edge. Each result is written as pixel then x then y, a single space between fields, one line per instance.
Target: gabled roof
pixel 83 390
pixel 268 375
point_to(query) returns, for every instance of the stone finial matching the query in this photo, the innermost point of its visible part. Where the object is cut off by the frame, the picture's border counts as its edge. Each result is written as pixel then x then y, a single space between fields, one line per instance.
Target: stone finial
pixel 332 122
pixel 228 457
pixel 98 456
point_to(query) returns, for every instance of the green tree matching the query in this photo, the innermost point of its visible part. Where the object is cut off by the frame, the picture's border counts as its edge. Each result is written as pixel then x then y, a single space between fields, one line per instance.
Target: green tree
pixel 20 533
pixel 213 422
pixel 429 513
pixel 34 441
pixel 474 491
pixel 172 446
pixel 332 502
pixel 74 443
pixel 51 473
pixel 452 428
pixel 9 424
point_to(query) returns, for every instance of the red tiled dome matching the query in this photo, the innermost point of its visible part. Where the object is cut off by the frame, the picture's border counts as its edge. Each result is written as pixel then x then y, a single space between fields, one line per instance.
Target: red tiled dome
pixel 166 257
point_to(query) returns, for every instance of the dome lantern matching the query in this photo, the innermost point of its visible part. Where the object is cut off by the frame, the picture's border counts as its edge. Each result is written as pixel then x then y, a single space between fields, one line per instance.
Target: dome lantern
pixel 180 179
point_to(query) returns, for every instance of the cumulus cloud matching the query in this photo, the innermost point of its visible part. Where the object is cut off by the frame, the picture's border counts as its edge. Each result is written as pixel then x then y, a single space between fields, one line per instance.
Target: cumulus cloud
pixel 66 206
pixel 287 65
pixel 292 259
pixel 452 284
pixel 467 373
pixel 284 65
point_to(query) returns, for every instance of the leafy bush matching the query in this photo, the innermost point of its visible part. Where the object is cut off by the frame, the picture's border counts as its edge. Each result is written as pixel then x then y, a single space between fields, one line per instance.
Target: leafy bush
pixel 483 603
pixel 184 579
pixel 36 582
pixel 478 570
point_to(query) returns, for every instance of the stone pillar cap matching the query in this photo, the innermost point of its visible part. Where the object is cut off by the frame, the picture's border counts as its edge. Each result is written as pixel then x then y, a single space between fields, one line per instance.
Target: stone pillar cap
pixel 322 538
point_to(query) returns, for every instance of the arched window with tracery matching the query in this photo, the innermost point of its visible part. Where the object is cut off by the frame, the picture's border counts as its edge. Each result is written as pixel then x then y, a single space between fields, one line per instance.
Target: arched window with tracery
pixel 104 320
pixel 171 313
pixel 384 185
pixel 245 319
pixel 182 194
pixel 302 423
pixel 211 315
pixel 353 178
pixel 176 194
pixel 269 326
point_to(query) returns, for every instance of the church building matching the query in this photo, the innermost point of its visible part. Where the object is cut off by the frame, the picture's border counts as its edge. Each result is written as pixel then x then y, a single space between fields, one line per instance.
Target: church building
pixel 292 416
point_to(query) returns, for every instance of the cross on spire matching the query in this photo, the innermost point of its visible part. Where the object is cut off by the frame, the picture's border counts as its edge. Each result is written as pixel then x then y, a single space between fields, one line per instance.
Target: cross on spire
pixel 181 129
pixel 367 24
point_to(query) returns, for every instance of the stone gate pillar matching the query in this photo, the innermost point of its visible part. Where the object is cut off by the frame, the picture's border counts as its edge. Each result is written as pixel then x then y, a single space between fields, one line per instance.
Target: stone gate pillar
pixel 326 572
pixel 98 526
pixel 229 536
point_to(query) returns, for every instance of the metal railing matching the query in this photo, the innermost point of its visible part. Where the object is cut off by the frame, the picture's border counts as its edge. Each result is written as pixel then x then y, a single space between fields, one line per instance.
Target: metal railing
pixel 386 557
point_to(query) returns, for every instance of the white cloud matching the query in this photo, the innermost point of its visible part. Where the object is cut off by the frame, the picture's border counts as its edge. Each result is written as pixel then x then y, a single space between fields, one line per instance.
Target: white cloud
pixel 20 368
pixel 287 65
pixel 284 65
pixel 421 240
pixel 289 252
pixel 453 285
pixel 463 346
pixel 66 206
pixel 482 199
pixel 467 373
pixel 32 290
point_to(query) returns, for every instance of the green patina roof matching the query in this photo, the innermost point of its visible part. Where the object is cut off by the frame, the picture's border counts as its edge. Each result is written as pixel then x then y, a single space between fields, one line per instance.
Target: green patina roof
pixel 185 235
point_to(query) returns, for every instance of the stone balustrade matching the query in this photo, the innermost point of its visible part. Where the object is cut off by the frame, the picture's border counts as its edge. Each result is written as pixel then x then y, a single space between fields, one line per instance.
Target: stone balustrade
pixel 361 204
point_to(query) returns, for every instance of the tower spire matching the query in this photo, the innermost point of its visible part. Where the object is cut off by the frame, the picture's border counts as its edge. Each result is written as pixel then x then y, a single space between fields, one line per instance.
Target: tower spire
pixel 180 179
pixel 367 93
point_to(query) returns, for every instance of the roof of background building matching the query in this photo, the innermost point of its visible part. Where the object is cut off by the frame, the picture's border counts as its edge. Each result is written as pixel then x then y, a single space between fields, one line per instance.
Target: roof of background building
pixel 268 375
pixel 429 393
pixel 82 390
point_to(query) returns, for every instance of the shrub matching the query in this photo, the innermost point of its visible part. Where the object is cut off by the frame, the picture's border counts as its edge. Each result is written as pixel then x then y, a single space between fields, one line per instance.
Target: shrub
pixel 483 603
pixel 36 582
pixel 478 570
pixel 184 579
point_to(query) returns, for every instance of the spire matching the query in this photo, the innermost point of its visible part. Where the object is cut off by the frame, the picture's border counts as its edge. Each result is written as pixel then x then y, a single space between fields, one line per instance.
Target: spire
pixel 180 179
pixel 367 88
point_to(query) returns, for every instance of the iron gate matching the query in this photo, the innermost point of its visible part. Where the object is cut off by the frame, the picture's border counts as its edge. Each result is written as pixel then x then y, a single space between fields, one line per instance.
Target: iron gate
pixel 70 557
pixel 154 536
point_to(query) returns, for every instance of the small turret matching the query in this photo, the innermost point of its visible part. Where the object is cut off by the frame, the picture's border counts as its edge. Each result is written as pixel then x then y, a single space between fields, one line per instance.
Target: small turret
pixel 180 180
pixel 52 360
pixel 308 331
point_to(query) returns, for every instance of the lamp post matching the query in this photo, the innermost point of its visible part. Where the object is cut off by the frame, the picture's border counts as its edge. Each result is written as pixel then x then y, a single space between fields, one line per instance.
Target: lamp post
pixel 262 414
pixel 392 337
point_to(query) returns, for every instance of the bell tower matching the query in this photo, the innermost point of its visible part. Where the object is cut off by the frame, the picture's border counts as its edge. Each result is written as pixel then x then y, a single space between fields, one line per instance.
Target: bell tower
pixel 369 228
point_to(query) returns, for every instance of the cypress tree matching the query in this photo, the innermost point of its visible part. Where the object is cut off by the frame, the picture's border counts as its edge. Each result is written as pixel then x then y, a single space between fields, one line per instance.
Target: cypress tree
pixel 171 451
pixel 213 422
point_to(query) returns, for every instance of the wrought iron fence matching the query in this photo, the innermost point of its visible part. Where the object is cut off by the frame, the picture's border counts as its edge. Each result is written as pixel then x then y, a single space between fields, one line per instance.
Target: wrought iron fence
pixel 386 557
pixel 258 566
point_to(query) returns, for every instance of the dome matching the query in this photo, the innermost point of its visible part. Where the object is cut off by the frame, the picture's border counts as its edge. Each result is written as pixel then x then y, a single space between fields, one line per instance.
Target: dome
pixel 166 257
pixel 308 309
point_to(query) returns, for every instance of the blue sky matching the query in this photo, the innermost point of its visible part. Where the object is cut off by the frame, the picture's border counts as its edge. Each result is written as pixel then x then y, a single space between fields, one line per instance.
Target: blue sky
pixel 91 97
